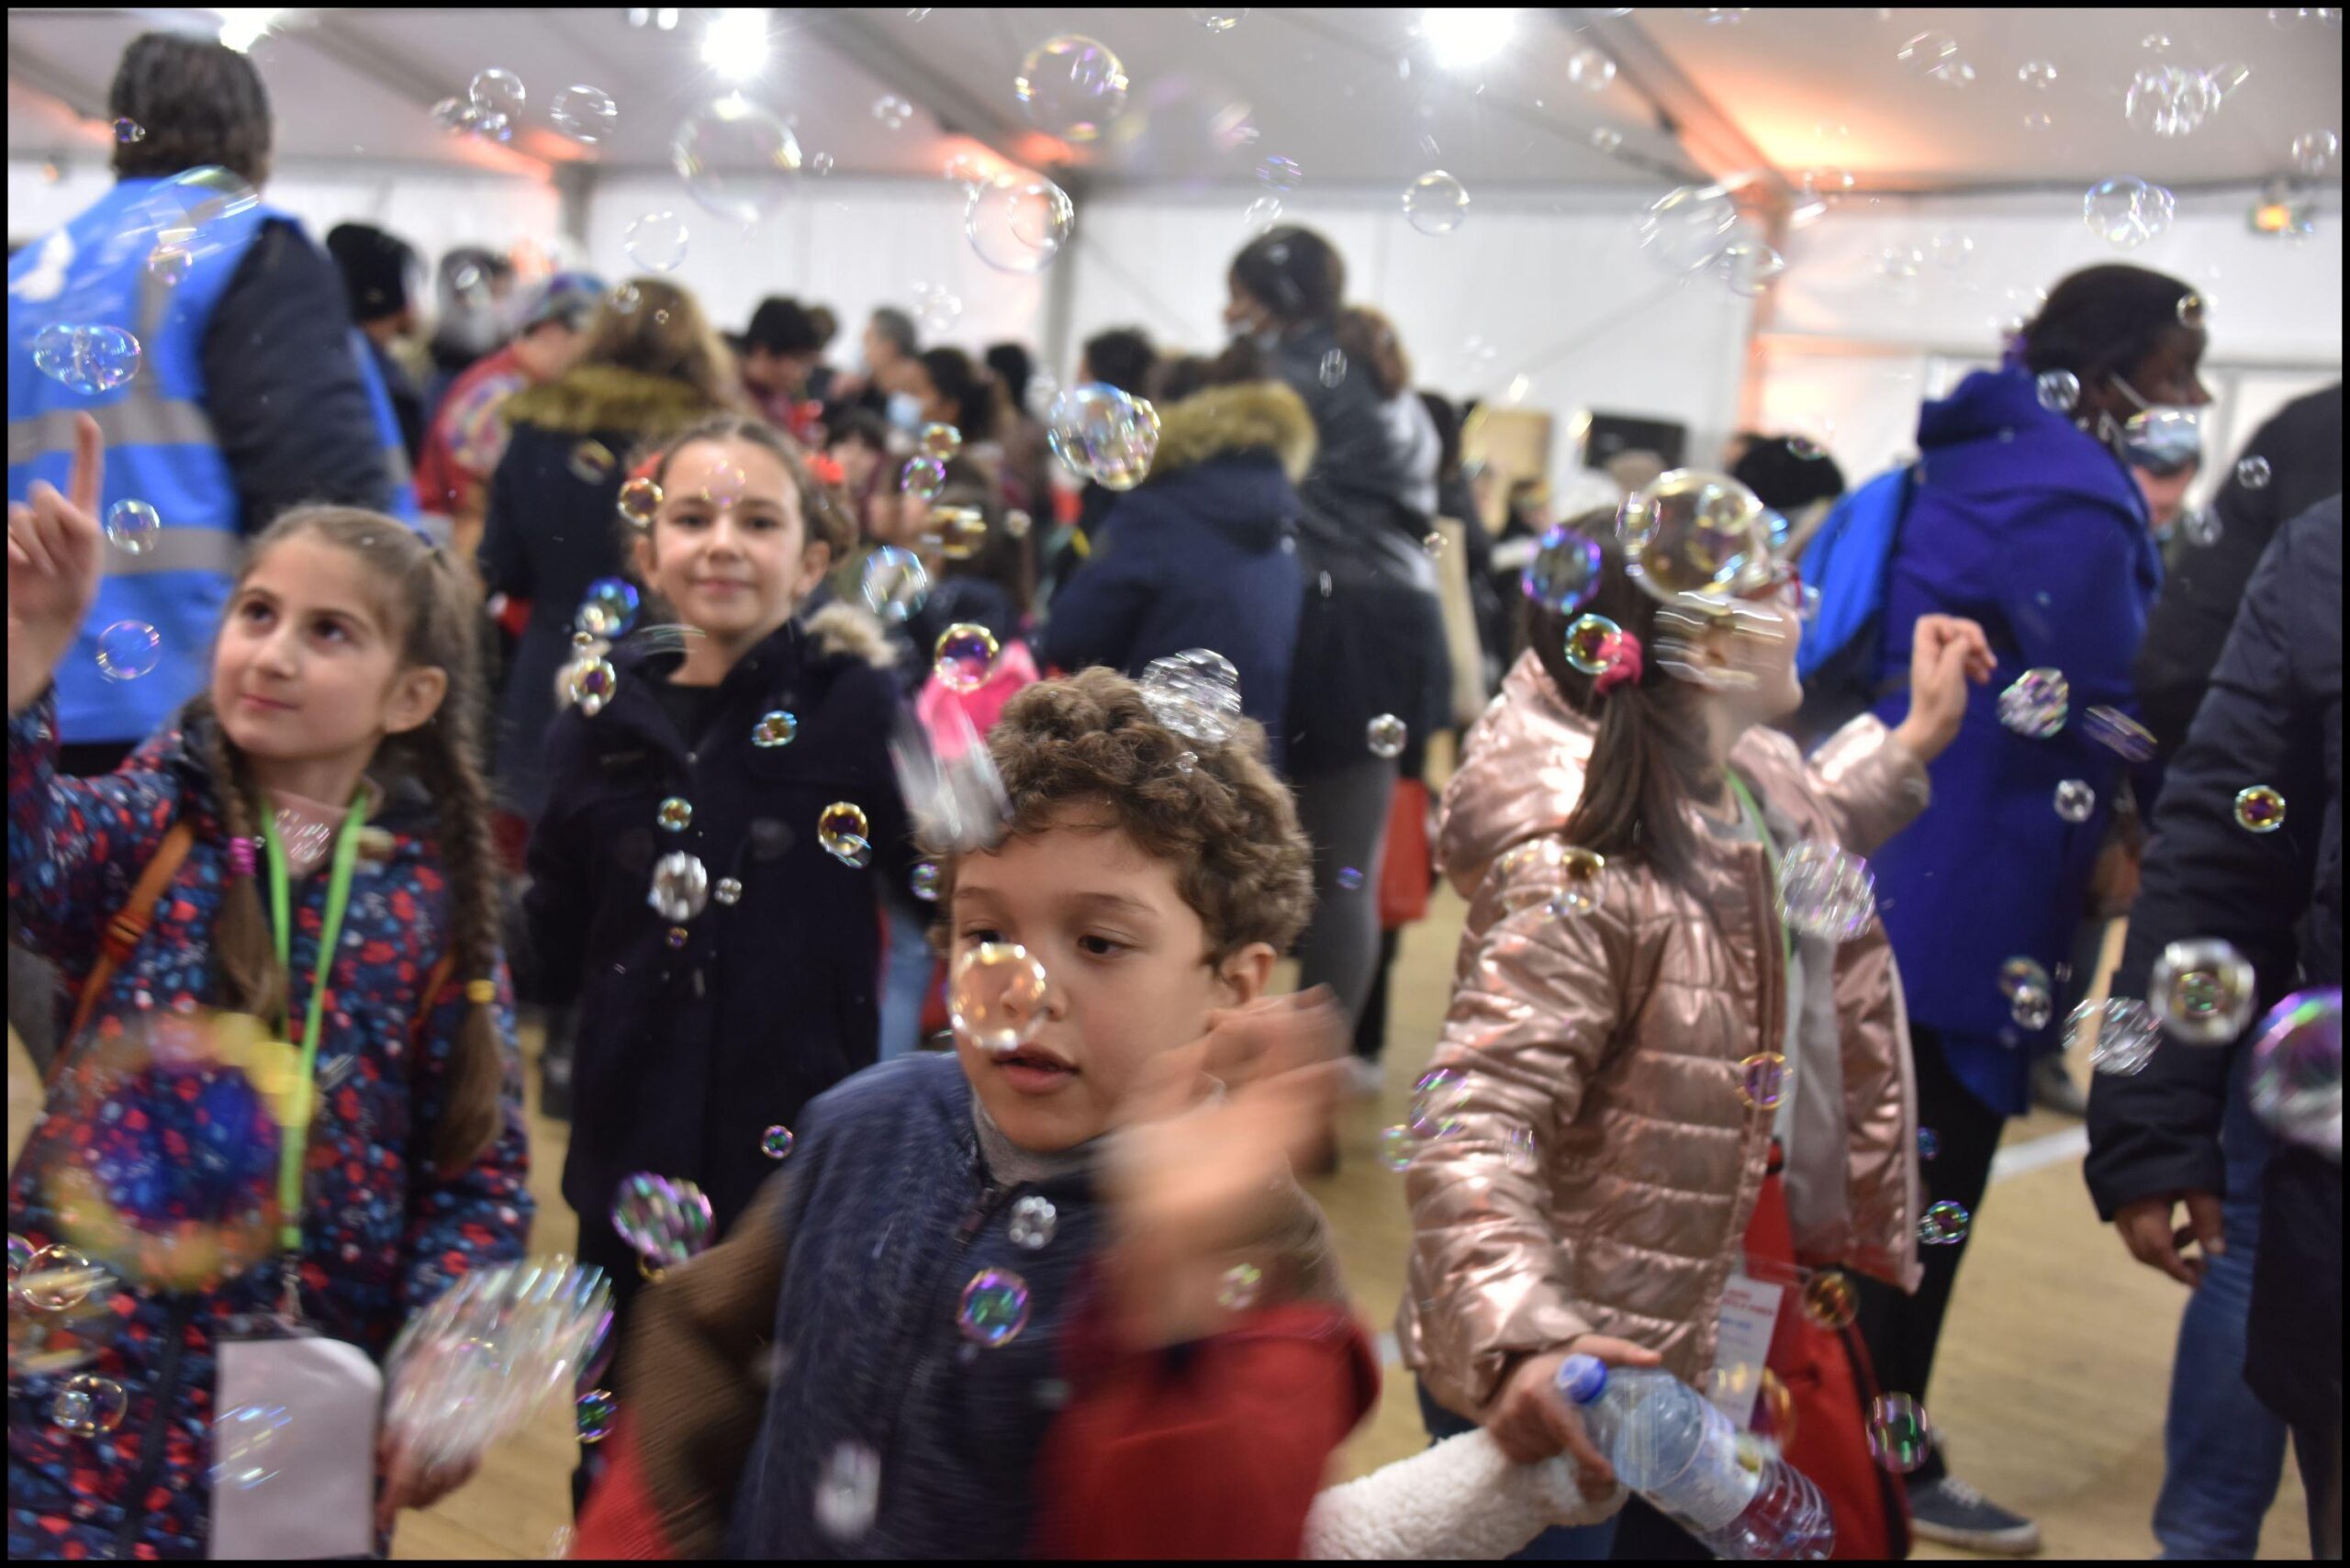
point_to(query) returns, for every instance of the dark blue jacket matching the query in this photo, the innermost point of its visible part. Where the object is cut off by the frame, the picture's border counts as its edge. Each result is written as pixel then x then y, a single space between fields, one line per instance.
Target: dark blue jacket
pixel 891 1212
pixel 688 1054
pixel 2273 717
pixel 2030 526
pixel 1202 555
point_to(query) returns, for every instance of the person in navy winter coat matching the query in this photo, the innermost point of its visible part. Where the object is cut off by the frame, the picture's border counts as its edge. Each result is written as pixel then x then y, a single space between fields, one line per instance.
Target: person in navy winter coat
pixel 2025 520
pixel 1205 554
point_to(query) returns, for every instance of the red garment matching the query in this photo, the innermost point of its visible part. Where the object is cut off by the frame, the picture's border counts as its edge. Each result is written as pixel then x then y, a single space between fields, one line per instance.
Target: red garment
pixel 1827 1375
pixel 1409 870
pixel 1213 1449
pixel 1210 1450
pixel 467 436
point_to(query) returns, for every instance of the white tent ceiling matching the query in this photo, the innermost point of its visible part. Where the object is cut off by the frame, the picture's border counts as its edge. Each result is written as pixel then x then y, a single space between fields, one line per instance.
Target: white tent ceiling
pixel 1355 96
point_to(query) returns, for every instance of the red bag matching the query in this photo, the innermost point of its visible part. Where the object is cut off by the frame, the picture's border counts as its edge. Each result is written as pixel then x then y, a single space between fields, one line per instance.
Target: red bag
pixel 1828 1376
pixel 1409 870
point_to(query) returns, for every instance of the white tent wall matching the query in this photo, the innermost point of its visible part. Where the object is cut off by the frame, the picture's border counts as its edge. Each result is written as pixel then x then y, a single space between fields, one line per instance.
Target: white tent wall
pixel 432 209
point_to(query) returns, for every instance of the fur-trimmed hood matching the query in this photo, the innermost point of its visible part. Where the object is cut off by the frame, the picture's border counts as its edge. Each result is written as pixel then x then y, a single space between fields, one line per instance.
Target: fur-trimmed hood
pixel 599 398
pixel 840 628
pixel 1254 416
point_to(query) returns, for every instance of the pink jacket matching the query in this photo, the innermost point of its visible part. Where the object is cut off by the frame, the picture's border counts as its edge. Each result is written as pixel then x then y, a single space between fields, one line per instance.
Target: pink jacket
pixel 1616 1038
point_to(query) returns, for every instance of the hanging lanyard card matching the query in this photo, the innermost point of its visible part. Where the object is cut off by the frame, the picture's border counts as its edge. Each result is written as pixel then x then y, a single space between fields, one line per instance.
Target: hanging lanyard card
pixel 294 1450
pixel 1742 1345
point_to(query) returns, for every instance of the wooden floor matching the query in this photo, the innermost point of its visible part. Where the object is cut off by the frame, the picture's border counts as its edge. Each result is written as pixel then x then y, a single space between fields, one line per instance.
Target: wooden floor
pixel 2049 1392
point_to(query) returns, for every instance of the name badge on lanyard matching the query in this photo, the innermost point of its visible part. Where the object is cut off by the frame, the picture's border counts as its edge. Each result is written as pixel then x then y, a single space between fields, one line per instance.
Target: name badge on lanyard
pixel 1742 1345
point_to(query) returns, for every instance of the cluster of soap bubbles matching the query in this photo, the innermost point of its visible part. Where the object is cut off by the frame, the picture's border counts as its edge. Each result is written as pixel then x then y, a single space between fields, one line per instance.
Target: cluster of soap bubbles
pixel 1195 693
pixel 2037 703
pixel 1826 892
pixel 953 791
pixel 1104 434
pixel 492 103
pixel 1439 1098
pixel 500 1344
pixel 664 1221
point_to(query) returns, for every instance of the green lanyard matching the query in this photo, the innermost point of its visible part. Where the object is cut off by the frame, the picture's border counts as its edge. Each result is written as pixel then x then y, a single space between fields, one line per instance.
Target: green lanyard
pixel 1771 857
pixel 294 1135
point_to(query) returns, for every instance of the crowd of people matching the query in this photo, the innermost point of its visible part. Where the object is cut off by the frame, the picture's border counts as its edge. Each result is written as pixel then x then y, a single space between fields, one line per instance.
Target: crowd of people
pixel 579 595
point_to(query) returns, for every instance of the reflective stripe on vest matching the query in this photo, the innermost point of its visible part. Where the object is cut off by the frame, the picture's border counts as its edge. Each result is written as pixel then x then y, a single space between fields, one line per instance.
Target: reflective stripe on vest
pixel 160 446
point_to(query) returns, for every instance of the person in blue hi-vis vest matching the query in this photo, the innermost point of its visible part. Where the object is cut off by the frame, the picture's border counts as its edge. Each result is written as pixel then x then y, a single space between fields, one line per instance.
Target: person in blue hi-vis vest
pixel 252 392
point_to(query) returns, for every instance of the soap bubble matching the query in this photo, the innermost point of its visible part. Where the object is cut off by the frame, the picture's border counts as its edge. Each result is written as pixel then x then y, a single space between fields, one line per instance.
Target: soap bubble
pixel 848 1492
pixel 2162 438
pixel 996 997
pixel 1019 224
pixel 1685 230
pixel 1761 1079
pixel 128 650
pixel 1034 1221
pixel 2201 527
pixel 639 502
pixel 656 241
pixel 2170 100
pixel 1385 736
pixel 1830 1301
pixel 1827 183
pixel 727 891
pixel 2201 991
pixel 2038 74
pixel 892 111
pixel 2295 1085
pixel 1930 1143
pixel 1104 434
pixel 1281 175
pixel 1950 251
pixel 1195 693
pixel 132 526
pixel 2074 800
pixel 1928 54
pixel 1749 267
pixel 965 658
pixel 2252 473
pixel 1071 86
pixel 939 440
pixel 2259 809
pixel 1590 70
pixel 2037 702
pixel 2031 1006
pixel 1900 262
pixel 993 1309
pixel 1220 21
pixel 667 1221
pixel 609 610
pixel 1606 138
pixel 1696 534
pixel 1564 571
pixel 250 1446
pixel 1945 1223
pixel 922 881
pixel 497 92
pixel 681 886
pixel 1826 892
pixel 1592 643
pixel 922 478
pixel 2314 152
pixel 777 727
pixel 500 1344
pixel 950 785
pixel 590 683
pixel 2120 733
pixel 89 1405
pixel 87 359
pixel 2126 1034
pixel 674 813
pixel 1261 214
pixel 1438 1099
pixel 1239 1289
pixel 894 584
pixel 843 832
pixel 583 114
pixel 1333 370
pixel 2059 390
pixel 1899 1435
pixel 1520 1155
pixel 1435 203
pixel 2126 211
pixel 737 160
pixel 1396 1147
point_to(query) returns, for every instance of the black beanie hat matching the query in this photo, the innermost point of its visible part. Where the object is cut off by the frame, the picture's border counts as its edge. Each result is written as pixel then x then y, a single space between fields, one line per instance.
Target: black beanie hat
pixel 782 326
pixel 376 269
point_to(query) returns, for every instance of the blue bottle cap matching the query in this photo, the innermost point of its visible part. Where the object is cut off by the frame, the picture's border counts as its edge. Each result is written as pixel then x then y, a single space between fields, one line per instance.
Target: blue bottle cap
pixel 1582 1379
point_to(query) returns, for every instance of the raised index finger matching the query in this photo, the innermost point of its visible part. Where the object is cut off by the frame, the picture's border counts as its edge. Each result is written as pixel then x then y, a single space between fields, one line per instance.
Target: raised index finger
pixel 88 479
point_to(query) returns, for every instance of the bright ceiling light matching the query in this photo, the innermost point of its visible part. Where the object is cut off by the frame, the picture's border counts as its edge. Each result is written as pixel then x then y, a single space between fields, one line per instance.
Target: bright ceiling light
pixel 1462 38
pixel 735 45
pixel 241 29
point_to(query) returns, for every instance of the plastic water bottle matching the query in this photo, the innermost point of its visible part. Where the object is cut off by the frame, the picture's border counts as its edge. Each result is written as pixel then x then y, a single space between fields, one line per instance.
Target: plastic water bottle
pixel 1673 1446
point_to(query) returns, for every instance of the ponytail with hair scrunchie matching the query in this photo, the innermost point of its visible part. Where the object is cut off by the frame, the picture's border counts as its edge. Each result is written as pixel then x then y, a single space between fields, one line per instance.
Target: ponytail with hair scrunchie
pixel 1622 652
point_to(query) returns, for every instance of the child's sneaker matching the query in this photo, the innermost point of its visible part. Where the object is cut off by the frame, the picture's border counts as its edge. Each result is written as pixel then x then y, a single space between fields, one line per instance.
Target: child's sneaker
pixel 1366 1079
pixel 1955 1514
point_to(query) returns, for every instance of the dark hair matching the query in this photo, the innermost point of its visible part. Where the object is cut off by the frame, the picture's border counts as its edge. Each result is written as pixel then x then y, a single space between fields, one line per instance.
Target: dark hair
pixel 199 103
pixel 821 316
pixel 431 604
pixel 1293 272
pixel 898 329
pixel 2102 320
pixel 1788 476
pixel 1013 368
pixel 964 384
pixel 1367 339
pixel 862 426
pixel 1446 419
pixel 1121 357
pixel 1174 379
pixel 376 267
pixel 1650 754
pixel 781 327
pixel 654 327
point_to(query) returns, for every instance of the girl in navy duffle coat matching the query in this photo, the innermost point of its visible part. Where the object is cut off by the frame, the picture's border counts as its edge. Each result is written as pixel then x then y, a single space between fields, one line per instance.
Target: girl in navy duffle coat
pixel 343 673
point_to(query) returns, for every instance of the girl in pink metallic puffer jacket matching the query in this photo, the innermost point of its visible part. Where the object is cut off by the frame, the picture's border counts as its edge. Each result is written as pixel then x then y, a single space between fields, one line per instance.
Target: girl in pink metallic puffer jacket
pixel 1619 834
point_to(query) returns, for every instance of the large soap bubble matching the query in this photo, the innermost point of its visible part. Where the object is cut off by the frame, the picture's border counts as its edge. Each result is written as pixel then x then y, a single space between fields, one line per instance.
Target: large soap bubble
pixel 1071 86
pixel 1019 224
pixel 737 160
pixel 1104 434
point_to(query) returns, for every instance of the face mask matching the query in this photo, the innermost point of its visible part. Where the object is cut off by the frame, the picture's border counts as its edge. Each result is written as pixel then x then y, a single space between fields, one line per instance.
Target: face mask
pixel 2161 438
pixel 905 410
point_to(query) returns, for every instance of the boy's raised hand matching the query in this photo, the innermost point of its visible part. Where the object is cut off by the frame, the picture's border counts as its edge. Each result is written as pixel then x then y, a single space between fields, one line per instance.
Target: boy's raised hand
pixel 55 559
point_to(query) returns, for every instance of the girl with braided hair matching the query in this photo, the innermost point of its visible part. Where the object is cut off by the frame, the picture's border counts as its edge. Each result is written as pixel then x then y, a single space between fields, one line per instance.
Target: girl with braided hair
pixel 305 850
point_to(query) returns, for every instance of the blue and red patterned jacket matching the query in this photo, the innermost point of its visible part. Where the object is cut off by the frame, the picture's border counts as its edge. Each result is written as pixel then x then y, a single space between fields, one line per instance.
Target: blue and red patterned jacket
pixel 383 1232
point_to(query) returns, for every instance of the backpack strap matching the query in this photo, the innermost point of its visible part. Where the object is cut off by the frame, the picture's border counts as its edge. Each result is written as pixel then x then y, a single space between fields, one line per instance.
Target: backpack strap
pixel 127 928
